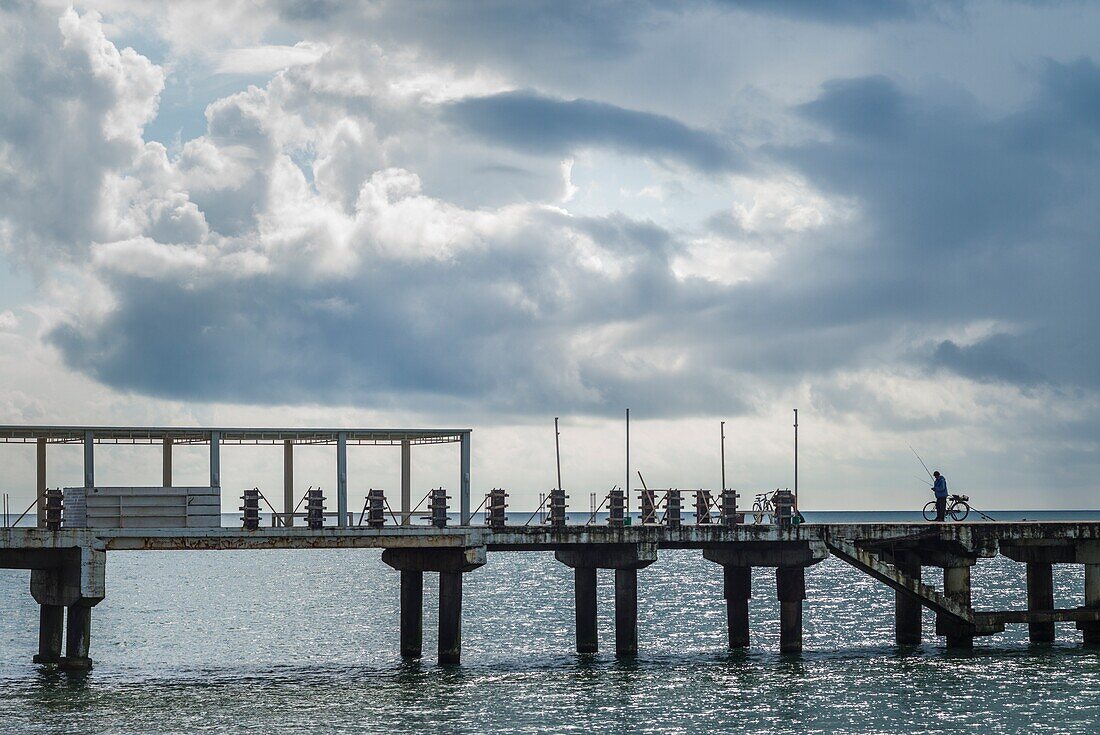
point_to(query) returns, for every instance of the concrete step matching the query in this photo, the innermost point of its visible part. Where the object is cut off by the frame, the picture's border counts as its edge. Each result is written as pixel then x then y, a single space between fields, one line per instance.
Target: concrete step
pixel 888 574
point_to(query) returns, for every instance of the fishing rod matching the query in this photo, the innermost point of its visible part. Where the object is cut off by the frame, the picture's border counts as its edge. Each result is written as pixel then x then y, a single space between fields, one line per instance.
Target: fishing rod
pixel 922 464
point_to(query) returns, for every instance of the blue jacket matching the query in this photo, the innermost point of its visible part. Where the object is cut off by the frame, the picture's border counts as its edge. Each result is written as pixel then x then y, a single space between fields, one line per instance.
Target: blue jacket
pixel 940 488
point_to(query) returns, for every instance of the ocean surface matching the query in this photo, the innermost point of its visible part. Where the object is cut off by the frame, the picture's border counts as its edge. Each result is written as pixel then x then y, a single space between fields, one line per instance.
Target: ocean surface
pixel 306 641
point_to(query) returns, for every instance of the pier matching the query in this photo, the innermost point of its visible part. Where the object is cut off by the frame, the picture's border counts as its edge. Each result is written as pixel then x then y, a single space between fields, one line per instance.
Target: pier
pixel 67 551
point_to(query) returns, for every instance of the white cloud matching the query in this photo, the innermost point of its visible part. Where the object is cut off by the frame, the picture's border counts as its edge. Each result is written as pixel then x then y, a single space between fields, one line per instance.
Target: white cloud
pixel 8 320
pixel 261 59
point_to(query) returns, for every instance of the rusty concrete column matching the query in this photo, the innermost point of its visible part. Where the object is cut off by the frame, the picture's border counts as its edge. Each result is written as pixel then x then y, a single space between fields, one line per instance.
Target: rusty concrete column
pixel 584 594
pixel 907 611
pixel 78 637
pixel 626 612
pixel 41 487
pixel 288 482
pixel 166 462
pixel 738 590
pixel 412 613
pixel 956 585
pixel 450 617
pixel 51 624
pixel 1091 631
pixel 790 585
pixel 1040 596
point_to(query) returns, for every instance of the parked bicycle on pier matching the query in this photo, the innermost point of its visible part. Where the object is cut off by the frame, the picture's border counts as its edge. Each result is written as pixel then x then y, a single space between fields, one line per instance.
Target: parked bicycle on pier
pixel 763 506
pixel 957 507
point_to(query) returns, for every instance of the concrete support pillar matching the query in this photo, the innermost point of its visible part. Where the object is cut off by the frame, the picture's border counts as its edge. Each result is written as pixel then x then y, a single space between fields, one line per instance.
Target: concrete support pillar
pixel 1092 599
pixel 412 614
pixel 584 593
pixel 342 479
pixel 41 486
pixel 956 585
pixel 166 463
pixel 288 482
pixel 215 459
pixel 464 479
pixel 738 590
pixel 89 459
pixel 406 483
pixel 790 585
pixel 78 637
pixel 907 611
pixel 1040 596
pixel 51 625
pixel 626 612
pixel 450 617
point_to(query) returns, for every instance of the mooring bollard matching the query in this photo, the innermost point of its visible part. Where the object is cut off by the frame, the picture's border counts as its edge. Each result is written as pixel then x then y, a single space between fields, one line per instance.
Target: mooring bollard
pixel 54 508
pixel 783 502
pixel 556 519
pixel 497 504
pixel 728 509
pixel 616 507
pixel 438 507
pixel 376 508
pixel 315 509
pixel 251 518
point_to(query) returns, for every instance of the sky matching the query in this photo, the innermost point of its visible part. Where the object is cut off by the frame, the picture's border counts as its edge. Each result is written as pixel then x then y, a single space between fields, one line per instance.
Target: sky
pixel 487 215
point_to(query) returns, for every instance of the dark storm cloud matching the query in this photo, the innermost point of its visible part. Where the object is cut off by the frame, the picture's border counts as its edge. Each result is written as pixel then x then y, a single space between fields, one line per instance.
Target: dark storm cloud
pixel 430 334
pixel 968 217
pixel 534 123
pixel 832 11
pixel 975 217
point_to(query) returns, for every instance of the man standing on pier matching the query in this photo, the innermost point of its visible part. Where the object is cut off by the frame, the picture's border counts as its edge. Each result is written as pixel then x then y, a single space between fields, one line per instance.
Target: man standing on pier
pixel 940 489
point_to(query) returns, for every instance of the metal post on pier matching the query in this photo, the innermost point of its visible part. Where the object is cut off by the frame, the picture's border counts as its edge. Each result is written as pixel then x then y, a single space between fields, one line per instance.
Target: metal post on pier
pixel 41 489
pixel 89 459
pixel 166 462
pixel 464 487
pixel 796 458
pixel 288 482
pixel 215 459
pixel 342 479
pixel 406 482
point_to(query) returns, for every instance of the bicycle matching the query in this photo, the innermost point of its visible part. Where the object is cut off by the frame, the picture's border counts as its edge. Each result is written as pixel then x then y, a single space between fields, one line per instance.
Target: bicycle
pixel 957 507
pixel 762 506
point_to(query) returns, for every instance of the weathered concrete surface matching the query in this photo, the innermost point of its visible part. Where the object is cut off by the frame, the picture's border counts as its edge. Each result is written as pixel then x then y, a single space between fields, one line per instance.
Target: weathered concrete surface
pixel 584 606
pixel 412 614
pixel 976 539
pixel 608 556
pixel 768 554
pixel 737 589
pixel 441 560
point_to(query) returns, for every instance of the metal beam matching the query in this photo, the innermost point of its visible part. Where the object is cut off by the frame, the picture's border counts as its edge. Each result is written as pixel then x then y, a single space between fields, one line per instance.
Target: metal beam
pixel 166 463
pixel 89 459
pixel 406 483
pixel 288 483
pixel 342 479
pixel 41 486
pixel 464 479
pixel 215 459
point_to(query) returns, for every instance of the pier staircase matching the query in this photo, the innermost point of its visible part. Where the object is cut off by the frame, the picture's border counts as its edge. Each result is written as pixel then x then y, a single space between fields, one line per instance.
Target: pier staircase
pixel 979 623
pixel 873 565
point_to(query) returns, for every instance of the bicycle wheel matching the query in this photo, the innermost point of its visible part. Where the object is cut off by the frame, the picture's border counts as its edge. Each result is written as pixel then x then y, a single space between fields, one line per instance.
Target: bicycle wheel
pixel 757 512
pixel 930 511
pixel 959 510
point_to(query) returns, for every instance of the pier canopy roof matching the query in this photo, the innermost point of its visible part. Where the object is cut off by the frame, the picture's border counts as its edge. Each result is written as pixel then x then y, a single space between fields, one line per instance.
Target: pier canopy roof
pixel 203 435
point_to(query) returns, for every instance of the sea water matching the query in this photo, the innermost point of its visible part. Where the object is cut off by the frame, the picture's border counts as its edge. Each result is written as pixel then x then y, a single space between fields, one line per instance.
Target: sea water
pixel 306 641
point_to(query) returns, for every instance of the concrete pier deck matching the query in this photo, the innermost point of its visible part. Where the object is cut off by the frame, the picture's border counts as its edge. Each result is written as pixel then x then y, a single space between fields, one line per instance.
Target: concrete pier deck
pixel 69 570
